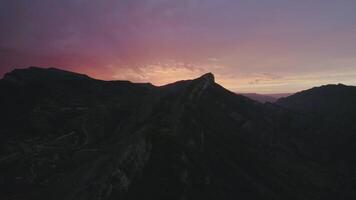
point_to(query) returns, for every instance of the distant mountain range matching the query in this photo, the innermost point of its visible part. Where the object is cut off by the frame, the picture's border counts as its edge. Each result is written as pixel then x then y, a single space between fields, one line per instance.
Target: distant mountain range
pixel 263 98
pixel 67 136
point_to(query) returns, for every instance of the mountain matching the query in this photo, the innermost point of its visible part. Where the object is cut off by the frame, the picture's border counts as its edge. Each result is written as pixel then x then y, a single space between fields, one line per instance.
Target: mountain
pixel 67 136
pixel 335 104
pixel 263 98
pixel 260 97
pixel 332 110
pixel 323 100
pixel 279 95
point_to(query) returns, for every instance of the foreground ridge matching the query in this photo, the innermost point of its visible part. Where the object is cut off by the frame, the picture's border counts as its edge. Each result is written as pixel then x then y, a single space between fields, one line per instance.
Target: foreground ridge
pixel 67 136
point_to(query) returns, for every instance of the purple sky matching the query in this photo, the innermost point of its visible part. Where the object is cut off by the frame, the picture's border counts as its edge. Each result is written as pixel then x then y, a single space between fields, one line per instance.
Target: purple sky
pixel 264 46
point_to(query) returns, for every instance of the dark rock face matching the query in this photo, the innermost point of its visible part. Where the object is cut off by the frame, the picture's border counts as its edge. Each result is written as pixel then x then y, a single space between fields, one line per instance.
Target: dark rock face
pixel 67 136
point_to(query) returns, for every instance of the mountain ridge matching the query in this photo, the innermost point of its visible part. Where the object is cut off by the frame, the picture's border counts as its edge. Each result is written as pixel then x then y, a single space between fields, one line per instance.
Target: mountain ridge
pixel 91 139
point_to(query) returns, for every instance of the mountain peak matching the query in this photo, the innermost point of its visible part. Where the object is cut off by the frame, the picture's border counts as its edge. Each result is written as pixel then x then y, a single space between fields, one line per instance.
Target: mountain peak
pixel 201 84
pixel 209 77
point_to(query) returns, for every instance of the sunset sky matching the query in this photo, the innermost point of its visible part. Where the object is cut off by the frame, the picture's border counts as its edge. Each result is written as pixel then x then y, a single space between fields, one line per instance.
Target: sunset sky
pixel 264 46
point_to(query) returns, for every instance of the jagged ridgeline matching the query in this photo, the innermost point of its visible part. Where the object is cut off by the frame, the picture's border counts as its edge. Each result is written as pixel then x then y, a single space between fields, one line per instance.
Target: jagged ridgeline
pixel 67 136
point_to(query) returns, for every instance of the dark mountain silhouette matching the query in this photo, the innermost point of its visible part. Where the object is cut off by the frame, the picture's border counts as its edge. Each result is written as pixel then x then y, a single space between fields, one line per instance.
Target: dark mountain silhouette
pixel 279 95
pixel 67 136
pixel 325 100
pixel 260 97
pixel 264 98
pixel 332 111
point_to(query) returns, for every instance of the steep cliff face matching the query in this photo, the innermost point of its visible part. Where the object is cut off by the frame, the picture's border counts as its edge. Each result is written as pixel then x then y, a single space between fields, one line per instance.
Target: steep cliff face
pixel 80 138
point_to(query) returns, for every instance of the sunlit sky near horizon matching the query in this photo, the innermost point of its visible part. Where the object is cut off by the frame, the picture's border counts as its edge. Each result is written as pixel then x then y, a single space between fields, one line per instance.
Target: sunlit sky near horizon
pixel 263 46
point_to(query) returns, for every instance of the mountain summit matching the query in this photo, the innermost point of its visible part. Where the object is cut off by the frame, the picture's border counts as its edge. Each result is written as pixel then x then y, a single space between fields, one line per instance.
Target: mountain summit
pixel 67 136
pixel 208 77
pixel 42 74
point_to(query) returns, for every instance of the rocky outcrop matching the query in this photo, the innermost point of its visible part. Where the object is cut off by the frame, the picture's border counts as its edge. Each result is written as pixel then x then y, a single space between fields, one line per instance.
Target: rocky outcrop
pixel 201 84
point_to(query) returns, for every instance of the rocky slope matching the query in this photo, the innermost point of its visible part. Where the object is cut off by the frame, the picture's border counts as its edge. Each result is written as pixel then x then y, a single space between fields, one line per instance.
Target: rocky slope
pixel 68 136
